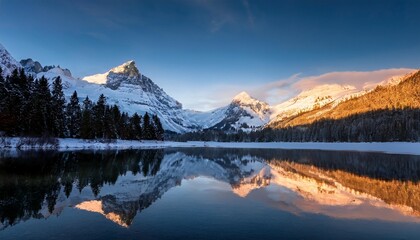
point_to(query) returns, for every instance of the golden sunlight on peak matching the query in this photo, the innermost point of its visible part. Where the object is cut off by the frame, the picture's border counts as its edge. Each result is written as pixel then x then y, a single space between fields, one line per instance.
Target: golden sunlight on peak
pixel 96 206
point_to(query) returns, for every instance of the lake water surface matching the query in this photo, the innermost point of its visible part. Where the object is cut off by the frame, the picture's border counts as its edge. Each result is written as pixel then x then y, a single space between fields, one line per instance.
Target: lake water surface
pixel 205 193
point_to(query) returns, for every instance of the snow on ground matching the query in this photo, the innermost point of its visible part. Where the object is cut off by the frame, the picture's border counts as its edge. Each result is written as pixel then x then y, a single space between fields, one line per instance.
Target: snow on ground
pixel 412 148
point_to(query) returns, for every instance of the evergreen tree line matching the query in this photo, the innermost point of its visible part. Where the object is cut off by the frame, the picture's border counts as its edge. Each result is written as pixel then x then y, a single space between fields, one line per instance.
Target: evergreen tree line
pixel 375 126
pixel 31 107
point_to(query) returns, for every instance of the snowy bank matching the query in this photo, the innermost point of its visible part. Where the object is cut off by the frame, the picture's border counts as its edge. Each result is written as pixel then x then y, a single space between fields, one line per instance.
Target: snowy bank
pixel 80 144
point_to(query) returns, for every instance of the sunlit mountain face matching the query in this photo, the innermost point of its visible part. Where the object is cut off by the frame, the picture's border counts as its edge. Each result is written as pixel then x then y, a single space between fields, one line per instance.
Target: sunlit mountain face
pixel 127 188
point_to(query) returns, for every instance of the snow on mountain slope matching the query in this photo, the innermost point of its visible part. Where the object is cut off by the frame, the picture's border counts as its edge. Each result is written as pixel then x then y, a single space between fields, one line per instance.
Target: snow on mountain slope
pixel 313 98
pixel 127 72
pixel 395 80
pixel 243 113
pixel 207 119
pixel 7 62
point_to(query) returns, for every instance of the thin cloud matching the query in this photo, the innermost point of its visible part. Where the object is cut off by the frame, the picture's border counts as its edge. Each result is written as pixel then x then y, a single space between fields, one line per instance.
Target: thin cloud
pixel 223 14
pixel 250 15
pixel 276 91
pixel 360 80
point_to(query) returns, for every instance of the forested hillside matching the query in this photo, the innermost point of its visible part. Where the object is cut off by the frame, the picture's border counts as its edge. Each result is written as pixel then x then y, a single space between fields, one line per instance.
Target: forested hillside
pixel 405 95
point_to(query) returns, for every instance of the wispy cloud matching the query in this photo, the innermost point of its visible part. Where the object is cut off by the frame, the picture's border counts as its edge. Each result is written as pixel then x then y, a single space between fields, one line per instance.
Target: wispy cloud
pixel 250 15
pixel 360 80
pixel 277 91
pixel 106 14
pixel 223 14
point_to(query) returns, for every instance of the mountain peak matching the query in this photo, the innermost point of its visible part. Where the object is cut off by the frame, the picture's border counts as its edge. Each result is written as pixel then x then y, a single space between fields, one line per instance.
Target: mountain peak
pixel 128 68
pixel 243 97
pixel 125 70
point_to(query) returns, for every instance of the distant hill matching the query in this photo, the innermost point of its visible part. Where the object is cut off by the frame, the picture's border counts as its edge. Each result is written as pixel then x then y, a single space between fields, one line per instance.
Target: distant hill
pixel 404 95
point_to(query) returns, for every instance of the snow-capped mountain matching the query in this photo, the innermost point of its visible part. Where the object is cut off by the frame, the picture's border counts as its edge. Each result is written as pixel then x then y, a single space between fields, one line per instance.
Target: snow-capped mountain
pixel 244 113
pixel 134 92
pixel 7 62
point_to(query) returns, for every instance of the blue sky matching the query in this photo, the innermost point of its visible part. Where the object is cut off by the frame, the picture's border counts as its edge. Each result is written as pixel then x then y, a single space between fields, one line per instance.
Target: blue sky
pixel 202 52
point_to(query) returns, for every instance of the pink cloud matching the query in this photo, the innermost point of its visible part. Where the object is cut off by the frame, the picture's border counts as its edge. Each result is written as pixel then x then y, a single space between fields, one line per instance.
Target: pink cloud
pixel 360 80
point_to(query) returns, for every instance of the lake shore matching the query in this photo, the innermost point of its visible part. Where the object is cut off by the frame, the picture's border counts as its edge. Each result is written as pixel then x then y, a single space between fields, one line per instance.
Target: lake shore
pixel 64 144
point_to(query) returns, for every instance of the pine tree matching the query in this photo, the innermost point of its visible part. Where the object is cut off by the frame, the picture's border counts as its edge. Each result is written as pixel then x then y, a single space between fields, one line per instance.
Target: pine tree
pixel 26 104
pixel 86 128
pixel 123 129
pixel 116 116
pixel 74 117
pixel 57 108
pixel 99 117
pixel 14 102
pixel 146 126
pixel 3 103
pixel 158 127
pixel 41 123
pixel 136 130
pixel 110 131
pixel 148 129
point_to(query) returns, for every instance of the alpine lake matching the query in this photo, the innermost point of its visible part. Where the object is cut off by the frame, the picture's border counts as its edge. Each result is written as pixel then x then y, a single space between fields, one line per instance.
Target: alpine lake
pixel 209 193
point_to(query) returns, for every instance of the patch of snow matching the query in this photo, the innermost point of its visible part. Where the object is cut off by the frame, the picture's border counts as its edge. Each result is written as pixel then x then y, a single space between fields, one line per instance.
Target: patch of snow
pixel 412 148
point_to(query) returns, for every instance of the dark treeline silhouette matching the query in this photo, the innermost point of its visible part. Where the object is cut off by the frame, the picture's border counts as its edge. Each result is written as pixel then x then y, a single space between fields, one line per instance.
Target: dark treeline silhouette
pixel 38 177
pixel 31 107
pixel 374 126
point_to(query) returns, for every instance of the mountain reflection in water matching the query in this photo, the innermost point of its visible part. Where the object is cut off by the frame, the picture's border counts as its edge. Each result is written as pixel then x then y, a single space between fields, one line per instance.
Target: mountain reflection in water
pixel 121 184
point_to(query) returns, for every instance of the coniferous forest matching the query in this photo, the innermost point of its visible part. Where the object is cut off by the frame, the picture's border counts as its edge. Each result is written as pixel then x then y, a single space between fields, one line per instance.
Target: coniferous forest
pixel 401 125
pixel 33 107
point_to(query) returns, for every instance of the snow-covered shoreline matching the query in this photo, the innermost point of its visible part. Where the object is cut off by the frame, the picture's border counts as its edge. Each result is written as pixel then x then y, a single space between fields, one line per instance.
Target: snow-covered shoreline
pixel 80 144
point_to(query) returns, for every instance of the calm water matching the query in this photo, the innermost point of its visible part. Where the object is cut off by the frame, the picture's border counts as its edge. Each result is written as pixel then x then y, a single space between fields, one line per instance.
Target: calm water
pixel 209 194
